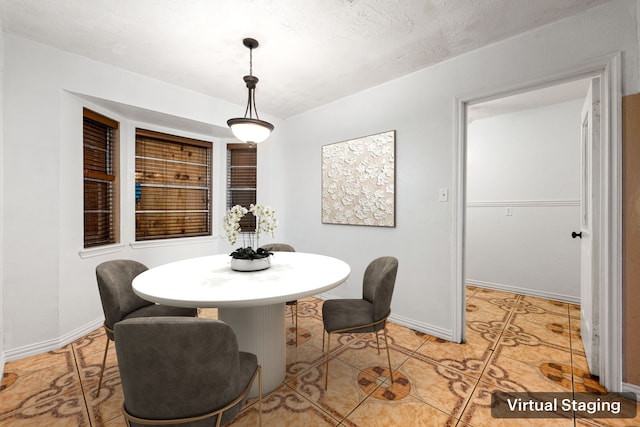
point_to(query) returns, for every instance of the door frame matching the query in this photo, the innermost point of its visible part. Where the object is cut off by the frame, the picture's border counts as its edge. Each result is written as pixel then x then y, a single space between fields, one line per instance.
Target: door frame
pixel 609 250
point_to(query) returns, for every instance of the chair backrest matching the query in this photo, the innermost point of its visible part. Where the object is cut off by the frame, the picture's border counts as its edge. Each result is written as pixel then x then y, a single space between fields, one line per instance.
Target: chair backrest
pixel 278 247
pixel 378 283
pixel 177 367
pixel 116 292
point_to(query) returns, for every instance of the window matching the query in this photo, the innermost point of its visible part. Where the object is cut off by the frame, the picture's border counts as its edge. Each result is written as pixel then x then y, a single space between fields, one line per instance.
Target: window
pixel 99 134
pixel 242 180
pixel 173 186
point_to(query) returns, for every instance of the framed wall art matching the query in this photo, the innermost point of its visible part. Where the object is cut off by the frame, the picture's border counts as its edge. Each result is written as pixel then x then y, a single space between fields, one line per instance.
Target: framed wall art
pixel 358 181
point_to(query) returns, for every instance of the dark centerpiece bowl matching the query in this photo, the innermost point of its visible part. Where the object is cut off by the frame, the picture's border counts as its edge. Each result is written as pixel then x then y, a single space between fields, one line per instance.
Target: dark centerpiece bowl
pixel 248 259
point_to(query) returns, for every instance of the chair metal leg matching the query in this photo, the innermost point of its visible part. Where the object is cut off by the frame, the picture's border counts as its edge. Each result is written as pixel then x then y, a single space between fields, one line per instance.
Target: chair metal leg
pixel 296 306
pixel 386 344
pixel 326 365
pixel 104 362
pixel 260 396
pixel 377 341
pixel 293 307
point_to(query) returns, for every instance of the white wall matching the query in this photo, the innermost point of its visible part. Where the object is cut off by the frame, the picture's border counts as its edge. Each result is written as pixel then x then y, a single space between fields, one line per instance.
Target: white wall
pixel 50 287
pixel 2 357
pixel 528 161
pixel 420 107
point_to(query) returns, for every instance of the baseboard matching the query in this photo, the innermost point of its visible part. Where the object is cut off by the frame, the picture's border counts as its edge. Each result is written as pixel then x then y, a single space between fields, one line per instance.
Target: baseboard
pixel 52 344
pixel 426 328
pixel 525 291
pixel 631 388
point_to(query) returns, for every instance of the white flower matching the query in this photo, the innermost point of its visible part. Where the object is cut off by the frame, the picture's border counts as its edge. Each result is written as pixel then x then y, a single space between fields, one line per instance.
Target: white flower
pixel 265 219
pixel 232 222
pixel 265 222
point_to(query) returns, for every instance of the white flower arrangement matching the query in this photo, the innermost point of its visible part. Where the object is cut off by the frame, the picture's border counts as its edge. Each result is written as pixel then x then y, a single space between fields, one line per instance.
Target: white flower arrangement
pixel 266 222
pixel 232 222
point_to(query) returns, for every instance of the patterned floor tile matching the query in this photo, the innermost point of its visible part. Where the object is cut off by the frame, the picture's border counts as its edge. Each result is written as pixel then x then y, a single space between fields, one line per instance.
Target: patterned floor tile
pixel 406 412
pixel 116 422
pixel 529 349
pixel 285 407
pixel 297 336
pixel 108 405
pixel 93 342
pixel 470 291
pixel 208 313
pixel 310 332
pixel 485 293
pixel 530 303
pixel 364 352
pixel 301 358
pixel 583 380
pixel 62 410
pixel 554 331
pixel 404 337
pixel 478 413
pixel 484 334
pixel 513 342
pixel 445 389
pixel 90 364
pixel 41 361
pixel 574 311
pixel 464 358
pixel 310 307
pixel 338 342
pixel 547 318
pixel 577 346
pixel 36 387
pixel 514 375
pixel 480 309
pixel 344 392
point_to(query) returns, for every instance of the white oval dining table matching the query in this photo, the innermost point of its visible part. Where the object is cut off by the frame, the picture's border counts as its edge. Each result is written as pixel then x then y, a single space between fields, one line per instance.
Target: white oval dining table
pixel 253 303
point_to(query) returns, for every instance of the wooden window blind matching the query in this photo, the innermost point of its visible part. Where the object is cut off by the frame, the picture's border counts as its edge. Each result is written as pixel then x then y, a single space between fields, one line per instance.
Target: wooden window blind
pixel 100 179
pixel 242 180
pixel 173 186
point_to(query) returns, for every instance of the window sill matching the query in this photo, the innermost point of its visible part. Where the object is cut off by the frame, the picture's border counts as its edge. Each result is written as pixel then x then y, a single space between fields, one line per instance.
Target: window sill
pixel 172 242
pixel 101 250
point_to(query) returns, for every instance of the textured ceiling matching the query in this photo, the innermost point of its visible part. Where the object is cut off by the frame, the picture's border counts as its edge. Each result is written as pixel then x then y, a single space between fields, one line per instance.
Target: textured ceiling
pixel 311 52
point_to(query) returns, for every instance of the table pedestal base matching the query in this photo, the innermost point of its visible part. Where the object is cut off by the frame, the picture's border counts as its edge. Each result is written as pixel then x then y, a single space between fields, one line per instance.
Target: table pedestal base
pixel 261 331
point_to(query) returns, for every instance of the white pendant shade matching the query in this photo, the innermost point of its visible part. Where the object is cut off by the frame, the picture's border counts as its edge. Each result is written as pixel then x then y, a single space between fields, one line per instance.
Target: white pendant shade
pixel 251 131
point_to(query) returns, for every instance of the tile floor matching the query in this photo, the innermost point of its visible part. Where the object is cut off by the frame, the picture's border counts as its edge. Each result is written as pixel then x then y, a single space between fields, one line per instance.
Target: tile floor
pixel 514 343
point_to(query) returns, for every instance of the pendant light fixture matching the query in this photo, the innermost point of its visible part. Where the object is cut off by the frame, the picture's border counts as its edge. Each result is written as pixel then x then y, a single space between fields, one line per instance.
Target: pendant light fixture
pixel 249 129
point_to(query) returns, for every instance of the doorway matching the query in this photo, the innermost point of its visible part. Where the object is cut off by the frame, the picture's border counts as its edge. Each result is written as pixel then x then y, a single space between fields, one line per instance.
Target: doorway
pixel 525 169
pixel 523 191
pixel 607 159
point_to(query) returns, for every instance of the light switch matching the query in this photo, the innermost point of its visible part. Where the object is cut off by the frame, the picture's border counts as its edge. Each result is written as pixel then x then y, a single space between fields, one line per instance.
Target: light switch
pixel 443 195
pixel 508 211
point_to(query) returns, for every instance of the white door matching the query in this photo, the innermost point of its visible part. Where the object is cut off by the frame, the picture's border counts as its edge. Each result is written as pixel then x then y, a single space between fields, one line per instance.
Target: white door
pixel 589 295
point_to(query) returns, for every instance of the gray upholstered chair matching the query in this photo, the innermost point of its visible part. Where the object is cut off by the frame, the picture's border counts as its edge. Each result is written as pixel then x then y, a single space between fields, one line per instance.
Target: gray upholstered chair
pixel 293 305
pixel 120 302
pixel 180 370
pixel 369 314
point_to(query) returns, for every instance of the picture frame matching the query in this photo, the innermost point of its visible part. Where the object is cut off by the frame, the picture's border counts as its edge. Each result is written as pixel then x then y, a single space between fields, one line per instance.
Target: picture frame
pixel 358 181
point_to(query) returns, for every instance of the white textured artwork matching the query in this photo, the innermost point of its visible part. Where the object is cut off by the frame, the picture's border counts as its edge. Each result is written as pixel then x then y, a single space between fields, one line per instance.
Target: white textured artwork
pixel 358 181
